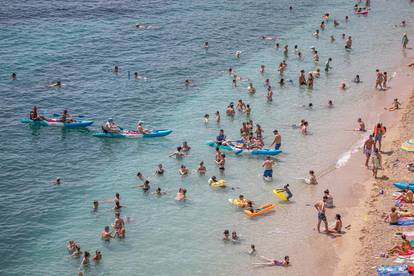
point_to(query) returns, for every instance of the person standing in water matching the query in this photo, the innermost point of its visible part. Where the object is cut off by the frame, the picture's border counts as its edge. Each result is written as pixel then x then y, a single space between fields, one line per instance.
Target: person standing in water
pixel 302 78
pixel 404 41
pixel 348 43
pixel 277 140
pixel 320 207
pixel 328 65
pixel 268 168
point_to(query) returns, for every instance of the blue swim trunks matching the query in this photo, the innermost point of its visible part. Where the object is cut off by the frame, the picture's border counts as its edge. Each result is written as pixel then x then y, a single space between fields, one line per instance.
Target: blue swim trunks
pixel 277 146
pixel 268 173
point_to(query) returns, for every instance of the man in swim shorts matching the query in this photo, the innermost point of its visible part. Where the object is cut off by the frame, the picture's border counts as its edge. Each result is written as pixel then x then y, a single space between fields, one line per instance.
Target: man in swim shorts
pixel 368 145
pixel 268 166
pixel 320 207
pixel 277 140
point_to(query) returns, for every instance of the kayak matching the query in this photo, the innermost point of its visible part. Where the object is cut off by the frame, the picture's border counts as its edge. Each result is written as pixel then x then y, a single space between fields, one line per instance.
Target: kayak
pixel 56 122
pixel 403 185
pixel 238 151
pixel 133 134
pixel 280 194
pixel 260 211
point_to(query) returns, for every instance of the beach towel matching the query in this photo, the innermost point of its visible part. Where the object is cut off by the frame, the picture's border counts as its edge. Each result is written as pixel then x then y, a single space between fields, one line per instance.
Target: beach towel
pixel 393 270
pixel 405 222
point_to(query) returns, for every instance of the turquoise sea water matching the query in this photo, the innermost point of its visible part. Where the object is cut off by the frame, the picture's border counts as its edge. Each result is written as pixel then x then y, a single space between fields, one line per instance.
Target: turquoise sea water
pixel 79 43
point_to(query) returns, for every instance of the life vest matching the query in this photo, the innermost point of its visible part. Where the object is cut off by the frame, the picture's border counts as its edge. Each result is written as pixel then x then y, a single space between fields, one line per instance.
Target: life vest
pixel 382 129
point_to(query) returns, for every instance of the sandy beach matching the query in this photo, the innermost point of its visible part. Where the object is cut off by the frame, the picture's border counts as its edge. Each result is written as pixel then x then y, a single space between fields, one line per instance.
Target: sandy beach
pixel 359 250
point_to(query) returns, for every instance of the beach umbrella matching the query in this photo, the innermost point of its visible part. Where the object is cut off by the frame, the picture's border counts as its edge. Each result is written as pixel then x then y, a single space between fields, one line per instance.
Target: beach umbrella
pixel 408 145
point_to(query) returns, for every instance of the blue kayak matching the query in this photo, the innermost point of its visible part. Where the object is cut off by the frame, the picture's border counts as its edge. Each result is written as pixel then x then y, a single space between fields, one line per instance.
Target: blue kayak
pixel 403 185
pixel 244 151
pixel 133 134
pixel 56 122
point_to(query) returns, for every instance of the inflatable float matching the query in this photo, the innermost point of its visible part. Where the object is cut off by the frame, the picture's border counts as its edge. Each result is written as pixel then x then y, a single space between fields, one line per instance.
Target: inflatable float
pixel 134 134
pixel 280 194
pixel 260 211
pixel 238 151
pixel 238 202
pixel 56 122
pixel 218 184
pixel 403 185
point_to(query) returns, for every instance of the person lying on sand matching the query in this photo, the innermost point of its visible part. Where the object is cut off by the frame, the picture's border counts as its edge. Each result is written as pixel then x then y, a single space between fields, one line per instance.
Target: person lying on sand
pixel 395 215
pixel 407 196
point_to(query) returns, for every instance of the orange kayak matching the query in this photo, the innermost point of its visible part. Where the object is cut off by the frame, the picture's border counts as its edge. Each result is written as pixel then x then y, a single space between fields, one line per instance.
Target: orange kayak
pixel 260 211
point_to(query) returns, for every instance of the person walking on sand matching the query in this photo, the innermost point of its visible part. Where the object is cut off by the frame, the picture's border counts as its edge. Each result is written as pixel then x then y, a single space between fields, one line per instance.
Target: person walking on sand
pixel 268 168
pixel 379 132
pixel 320 207
pixel 379 80
pixel 404 41
pixel 368 146
pixel 376 163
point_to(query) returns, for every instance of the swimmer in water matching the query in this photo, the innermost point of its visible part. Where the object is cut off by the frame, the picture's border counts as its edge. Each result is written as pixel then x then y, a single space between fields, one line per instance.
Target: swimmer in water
pixel 316 34
pixel 178 154
pixel 185 147
pixel 201 168
pixel 252 250
pixel 188 82
pixel 217 115
pixel 158 192
pixel 348 43
pixel 106 234
pixel 282 82
pixel 85 260
pixel 237 54
pixel 262 69
pixel 181 195
pixel 95 205
pixel 357 79
pixel 251 89
pixel 183 171
pixel 13 76
pixel 116 69
pixel 206 117
pixel 342 85
pixel 140 176
pixel 336 23
pixel 316 73
pixel 316 56
pixel 226 235
pixel 332 39
pixel 57 181
pixel 330 104
pixel 97 257
pixel 286 50
pixel 145 186
pixel 159 170
pixel 205 45
pixel 302 78
pixel 274 262
pixel 57 84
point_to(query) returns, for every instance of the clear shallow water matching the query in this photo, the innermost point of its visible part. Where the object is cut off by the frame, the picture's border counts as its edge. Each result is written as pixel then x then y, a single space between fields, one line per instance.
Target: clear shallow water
pixel 79 43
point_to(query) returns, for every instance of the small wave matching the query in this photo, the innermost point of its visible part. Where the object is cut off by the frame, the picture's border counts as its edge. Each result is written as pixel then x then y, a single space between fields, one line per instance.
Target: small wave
pixel 344 158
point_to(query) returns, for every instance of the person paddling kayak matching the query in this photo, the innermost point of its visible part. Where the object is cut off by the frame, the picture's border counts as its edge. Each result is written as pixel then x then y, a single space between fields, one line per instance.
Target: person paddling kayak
pixel 110 127
pixel 34 115
pixel 66 118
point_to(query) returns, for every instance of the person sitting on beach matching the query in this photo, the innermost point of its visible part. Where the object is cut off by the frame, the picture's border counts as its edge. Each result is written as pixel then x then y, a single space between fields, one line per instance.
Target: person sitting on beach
pixel 361 125
pixel 226 235
pixel 159 170
pixel 178 154
pixel 395 105
pixel 338 225
pixel 402 249
pixel 406 196
pixel 329 199
pixel 106 235
pixel 97 257
pixel 183 171
pixel 181 195
pixel 110 127
pixel 66 118
pixel 141 129
pixel 274 262
pixel 145 186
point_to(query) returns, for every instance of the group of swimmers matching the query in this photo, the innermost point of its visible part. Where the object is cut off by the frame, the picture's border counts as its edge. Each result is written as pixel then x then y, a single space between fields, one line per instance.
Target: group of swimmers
pixel 75 251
